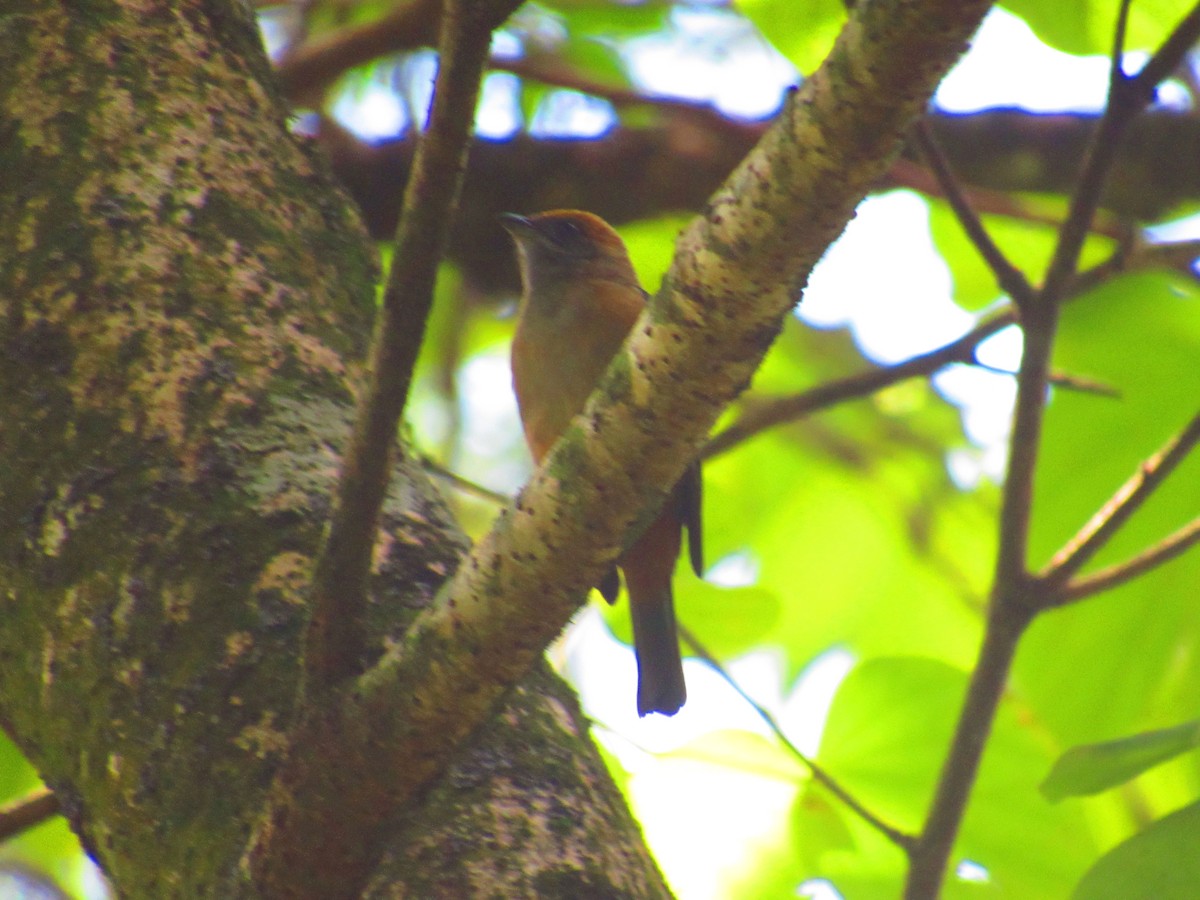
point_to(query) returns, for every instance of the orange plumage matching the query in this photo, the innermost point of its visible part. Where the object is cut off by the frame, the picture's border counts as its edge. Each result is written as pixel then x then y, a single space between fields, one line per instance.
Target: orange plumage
pixel 581 298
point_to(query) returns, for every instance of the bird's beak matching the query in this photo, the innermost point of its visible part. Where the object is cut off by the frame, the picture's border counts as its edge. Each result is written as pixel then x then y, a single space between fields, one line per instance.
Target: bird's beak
pixel 517 226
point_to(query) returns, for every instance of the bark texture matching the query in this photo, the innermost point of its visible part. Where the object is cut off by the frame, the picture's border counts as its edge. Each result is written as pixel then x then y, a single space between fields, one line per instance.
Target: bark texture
pixel 184 302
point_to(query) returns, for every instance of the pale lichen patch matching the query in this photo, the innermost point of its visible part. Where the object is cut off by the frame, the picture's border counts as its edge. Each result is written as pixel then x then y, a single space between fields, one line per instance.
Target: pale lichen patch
pixel 236 645
pixel 264 738
pixel 130 674
pixel 54 536
pixel 288 573
pixel 177 603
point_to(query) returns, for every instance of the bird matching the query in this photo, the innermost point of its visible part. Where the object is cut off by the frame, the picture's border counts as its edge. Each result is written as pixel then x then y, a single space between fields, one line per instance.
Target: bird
pixel 580 299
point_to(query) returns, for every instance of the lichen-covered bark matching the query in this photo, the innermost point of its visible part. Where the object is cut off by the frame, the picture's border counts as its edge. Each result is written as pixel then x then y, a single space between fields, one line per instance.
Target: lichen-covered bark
pixel 183 304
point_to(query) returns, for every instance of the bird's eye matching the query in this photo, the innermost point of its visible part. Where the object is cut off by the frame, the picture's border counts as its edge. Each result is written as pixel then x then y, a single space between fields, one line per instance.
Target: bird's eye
pixel 567 232
pixel 569 238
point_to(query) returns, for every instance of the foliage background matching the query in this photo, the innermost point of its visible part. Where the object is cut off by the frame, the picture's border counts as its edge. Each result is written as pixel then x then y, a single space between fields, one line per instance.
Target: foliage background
pixel 849 549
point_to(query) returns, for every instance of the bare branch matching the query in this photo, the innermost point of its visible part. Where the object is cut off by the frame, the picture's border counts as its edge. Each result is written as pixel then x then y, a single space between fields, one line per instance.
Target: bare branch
pixel 1010 279
pixel 1005 626
pixel 335 636
pixel 306 797
pixel 863 384
pixel 1117 511
pixel 901 839
pixel 1015 596
pixel 1127 97
pixel 25 813
pixel 1164 551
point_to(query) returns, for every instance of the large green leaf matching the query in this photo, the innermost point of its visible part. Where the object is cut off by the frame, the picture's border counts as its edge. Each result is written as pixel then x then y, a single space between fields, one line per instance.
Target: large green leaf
pixel 1160 863
pixel 1086 26
pixel 1096 767
pixel 801 30
pixel 1027 244
pixel 885 739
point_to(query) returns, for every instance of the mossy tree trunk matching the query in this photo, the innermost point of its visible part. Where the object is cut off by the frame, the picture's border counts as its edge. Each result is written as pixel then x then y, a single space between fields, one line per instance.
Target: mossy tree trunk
pixel 185 302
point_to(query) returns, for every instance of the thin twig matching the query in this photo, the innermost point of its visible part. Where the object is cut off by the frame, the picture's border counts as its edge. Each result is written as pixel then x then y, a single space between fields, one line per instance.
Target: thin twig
pixel 779 411
pixel 23 814
pixel 465 484
pixel 862 384
pixel 1065 380
pixel 1081 384
pixel 1010 279
pixel 1127 97
pixel 1092 538
pixel 335 639
pixel 901 839
pixel 1151 558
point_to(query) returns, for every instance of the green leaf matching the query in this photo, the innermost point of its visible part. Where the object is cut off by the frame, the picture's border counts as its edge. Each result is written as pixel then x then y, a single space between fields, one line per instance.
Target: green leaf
pixel 887 731
pixel 1027 244
pixel 1086 26
pixel 596 59
pixel 1160 863
pixel 1096 767
pixel 803 31
pixel 885 739
pixel 602 17
pixel 728 621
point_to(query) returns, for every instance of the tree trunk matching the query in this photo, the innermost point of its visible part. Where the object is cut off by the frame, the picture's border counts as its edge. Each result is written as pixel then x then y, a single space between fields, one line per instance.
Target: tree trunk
pixel 185 305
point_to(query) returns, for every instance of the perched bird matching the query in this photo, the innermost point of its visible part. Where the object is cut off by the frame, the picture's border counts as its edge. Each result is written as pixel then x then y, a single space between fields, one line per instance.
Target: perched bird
pixel 580 300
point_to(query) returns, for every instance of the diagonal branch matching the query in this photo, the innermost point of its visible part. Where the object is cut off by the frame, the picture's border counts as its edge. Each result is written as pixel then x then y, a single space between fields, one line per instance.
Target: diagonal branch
pixel 32 809
pixel 1010 279
pixel 1164 551
pixel 1117 511
pixel 335 642
pixel 900 838
pixel 1127 98
pixel 862 384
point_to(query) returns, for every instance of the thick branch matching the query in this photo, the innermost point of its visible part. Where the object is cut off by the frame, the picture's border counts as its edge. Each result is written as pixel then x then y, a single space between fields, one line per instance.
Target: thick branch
pixel 675 163
pixel 736 273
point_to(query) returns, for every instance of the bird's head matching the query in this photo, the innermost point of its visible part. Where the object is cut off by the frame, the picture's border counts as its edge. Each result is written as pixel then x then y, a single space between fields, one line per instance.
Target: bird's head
pixel 566 243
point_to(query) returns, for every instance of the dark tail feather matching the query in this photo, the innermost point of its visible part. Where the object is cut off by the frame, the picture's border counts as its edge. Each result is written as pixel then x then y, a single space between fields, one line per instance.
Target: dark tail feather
pixel 610 585
pixel 660 668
